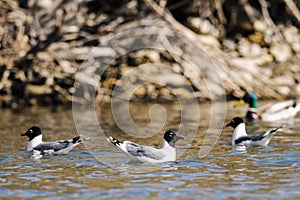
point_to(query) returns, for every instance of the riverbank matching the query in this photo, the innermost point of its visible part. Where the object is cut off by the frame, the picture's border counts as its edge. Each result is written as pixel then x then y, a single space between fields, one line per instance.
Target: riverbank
pixel 44 45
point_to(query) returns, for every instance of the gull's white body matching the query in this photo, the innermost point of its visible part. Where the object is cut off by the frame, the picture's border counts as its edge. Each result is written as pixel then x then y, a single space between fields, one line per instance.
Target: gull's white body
pixel 238 132
pixel 240 136
pixel 165 154
pixel 37 141
pixel 150 154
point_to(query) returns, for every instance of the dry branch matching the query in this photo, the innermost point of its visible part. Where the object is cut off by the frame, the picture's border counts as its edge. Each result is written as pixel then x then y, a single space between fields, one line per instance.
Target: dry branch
pixel 293 8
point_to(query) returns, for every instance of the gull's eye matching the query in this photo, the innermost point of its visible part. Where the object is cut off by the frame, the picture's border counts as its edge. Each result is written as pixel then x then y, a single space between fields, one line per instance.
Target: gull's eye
pixel 30 130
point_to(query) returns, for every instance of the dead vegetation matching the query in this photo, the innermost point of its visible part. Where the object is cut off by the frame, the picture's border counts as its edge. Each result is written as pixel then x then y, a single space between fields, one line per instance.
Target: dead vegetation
pixel 253 46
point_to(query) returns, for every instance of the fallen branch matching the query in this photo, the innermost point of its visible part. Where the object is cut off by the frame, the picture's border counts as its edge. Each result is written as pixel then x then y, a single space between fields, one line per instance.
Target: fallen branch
pixel 293 8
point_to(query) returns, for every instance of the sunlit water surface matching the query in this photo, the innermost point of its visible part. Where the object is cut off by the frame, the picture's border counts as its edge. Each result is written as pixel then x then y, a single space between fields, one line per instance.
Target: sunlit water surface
pixel 260 172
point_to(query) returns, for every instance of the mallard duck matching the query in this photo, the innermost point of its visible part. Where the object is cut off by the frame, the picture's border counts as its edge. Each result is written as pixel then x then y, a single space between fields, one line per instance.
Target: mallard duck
pixel 269 112
pixel 240 136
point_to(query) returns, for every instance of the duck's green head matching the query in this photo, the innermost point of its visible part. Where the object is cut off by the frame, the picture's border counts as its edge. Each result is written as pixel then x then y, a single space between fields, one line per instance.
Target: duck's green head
pixel 249 98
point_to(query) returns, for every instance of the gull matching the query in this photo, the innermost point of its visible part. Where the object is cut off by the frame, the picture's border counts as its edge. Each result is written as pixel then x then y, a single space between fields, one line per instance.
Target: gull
pixel 150 154
pixel 37 146
pixel 240 136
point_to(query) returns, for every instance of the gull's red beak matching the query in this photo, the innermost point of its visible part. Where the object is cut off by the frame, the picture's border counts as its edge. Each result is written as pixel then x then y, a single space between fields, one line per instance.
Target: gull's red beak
pixel 23 134
pixel 180 138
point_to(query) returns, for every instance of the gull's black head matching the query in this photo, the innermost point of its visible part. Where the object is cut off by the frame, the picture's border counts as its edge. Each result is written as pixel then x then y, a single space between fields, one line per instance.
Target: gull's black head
pixel 171 137
pixel 32 132
pixel 235 122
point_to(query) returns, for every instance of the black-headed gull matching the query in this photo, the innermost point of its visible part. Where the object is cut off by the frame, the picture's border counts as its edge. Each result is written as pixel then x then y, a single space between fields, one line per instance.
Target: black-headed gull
pixel 240 136
pixel 36 143
pixel 150 154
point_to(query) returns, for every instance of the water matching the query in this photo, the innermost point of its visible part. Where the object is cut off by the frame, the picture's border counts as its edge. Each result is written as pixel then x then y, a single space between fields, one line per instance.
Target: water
pixel 261 172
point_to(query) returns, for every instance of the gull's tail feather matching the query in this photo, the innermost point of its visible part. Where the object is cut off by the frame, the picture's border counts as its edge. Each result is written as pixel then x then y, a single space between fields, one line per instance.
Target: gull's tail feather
pixel 76 139
pixel 79 139
pixel 114 141
pixel 273 131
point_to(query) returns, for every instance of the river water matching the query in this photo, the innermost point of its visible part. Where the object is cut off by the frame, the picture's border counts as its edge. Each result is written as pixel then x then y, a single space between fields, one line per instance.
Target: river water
pixel 98 170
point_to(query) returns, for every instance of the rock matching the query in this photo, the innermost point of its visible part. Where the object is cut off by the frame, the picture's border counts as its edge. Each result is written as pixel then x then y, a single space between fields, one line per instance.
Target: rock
pixel 214 88
pixel 125 69
pixel 203 26
pixel 266 72
pixel 86 79
pixel 172 79
pixel 255 50
pixel 246 25
pixel 251 64
pixel 297 89
pixel 296 46
pixel 103 52
pixel 49 80
pixel 150 88
pixel 262 59
pixel 140 91
pixel 294 68
pixel 152 56
pixel 80 53
pixel 181 92
pixel 176 68
pixel 46 4
pixel 257 38
pixel 70 29
pixel 232 54
pixel 281 52
pixel 67 66
pixel 283 90
pixel 209 40
pixel 165 93
pixel 132 7
pixel 269 36
pixel 244 63
pixel 290 34
pixel 260 26
pixel 293 37
pixel 284 80
pixel 238 80
pixel 153 95
pixel 38 90
pixel 248 49
pixel 45 56
pixel 229 45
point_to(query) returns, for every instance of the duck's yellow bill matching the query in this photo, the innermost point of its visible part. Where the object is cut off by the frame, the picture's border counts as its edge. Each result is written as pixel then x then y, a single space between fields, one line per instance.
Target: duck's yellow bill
pixel 238 103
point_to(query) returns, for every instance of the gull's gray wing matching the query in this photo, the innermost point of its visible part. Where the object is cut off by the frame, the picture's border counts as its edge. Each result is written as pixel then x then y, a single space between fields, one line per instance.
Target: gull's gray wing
pixel 256 137
pixel 56 146
pixel 138 150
